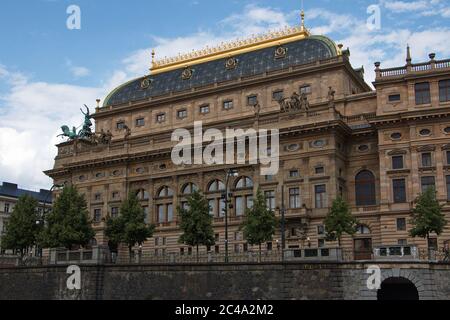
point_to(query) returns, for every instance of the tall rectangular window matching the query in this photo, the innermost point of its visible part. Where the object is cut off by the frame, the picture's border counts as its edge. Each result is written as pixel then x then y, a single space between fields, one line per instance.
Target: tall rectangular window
pixel 399 188
pixel 426 159
pixel 294 198
pixel 169 213
pixel 222 208
pixel 240 206
pixel 114 212
pixel 401 224
pixel 422 93
pixel 161 214
pixel 6 209
pixel 270 199
pixel 249 203
pixel 444 90
pixel 97 215
pixel 427 182
pixel 212 207
pixel 448 158
pixel 448 187
pixel 321 196
pixel 397 162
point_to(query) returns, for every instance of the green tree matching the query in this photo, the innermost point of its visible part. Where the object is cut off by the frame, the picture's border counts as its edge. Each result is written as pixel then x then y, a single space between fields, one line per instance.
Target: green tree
pixel 22 229
pixel 259 224
pixel 130 227
pixel 196 222
pixel 427 216
pixel 339 221
pixel 68 223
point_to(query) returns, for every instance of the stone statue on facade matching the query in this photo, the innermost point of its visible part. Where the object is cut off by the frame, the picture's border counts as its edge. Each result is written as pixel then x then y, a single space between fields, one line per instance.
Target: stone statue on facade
pixel 86 131
pixel 294 103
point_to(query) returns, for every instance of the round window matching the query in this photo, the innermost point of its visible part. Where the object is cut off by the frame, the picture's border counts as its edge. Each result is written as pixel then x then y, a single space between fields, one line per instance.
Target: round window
pixel 140 170
pixel 447 130
pixel 425 132
pixel 293 147
pixel 396 136
pixel 99 175
pixel 363 147
pixel 318 143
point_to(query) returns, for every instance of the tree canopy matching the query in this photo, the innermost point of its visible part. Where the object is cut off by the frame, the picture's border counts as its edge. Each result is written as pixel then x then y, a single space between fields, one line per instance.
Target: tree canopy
pixel 196 222
pixel 68 223
pixel 22 227
pixel 427 216
pixel 340 220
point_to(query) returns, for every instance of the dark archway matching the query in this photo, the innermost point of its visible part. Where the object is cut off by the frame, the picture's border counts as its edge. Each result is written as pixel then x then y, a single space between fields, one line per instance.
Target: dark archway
pixel 398 289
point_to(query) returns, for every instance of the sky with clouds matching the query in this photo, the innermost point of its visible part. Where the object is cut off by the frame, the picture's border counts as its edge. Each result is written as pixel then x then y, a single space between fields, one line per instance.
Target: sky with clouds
pixel 47 72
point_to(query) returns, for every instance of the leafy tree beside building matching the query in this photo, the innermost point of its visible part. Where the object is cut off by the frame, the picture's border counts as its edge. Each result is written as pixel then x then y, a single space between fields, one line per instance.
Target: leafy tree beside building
pixel 427 216
pixel 339 221
pixel 196 223
pixel 22 228
pixel 129 228
pixel 68 224
pixel 259 223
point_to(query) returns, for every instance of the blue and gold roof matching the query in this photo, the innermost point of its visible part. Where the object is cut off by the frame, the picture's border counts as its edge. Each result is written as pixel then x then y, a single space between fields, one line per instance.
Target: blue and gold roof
pixel 265 53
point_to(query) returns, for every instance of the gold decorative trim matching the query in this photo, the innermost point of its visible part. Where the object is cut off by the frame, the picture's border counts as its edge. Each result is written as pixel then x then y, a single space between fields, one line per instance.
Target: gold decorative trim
pixel 227 50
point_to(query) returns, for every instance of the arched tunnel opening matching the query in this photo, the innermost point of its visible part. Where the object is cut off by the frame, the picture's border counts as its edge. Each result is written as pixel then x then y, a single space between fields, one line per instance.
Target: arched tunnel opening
pixel 397 289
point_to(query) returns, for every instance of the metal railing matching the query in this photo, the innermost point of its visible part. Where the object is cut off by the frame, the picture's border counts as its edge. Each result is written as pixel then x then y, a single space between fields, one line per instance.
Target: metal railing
pixel 300 255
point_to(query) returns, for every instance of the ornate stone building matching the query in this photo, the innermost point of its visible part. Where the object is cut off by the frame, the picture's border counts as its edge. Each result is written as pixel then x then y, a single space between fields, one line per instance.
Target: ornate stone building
pixel 377 148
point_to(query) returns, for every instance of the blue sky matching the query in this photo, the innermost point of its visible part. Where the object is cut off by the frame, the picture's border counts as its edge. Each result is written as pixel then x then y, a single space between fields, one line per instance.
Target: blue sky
pixel 48 71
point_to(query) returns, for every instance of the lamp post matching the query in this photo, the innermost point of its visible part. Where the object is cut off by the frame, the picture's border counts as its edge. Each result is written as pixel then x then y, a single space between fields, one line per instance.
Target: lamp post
pixel 229 173
pixel 283 224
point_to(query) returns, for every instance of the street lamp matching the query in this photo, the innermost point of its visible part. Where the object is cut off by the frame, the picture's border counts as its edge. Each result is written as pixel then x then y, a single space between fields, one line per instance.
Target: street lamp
pixel 229 173
pixel 283 224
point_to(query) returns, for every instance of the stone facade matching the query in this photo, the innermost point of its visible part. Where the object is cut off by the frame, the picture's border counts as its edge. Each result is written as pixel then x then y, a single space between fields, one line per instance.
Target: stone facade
pixel 376 148
pixel 314 281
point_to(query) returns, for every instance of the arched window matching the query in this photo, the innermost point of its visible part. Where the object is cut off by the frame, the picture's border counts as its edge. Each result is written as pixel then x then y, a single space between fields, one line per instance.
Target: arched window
pixel 165 192
pixel 216 185
pixel 215 201
pixel 365 189
pixel 244 182
pixel 243 198
pixel 164 205
pixel 142 194
pixel 189 188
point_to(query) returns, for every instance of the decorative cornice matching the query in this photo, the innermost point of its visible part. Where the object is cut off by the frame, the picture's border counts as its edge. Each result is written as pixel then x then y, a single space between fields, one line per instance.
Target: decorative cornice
pixel 229 49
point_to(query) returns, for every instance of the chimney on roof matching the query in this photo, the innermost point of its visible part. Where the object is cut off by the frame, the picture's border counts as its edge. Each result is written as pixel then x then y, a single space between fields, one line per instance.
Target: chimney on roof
pixel 10 186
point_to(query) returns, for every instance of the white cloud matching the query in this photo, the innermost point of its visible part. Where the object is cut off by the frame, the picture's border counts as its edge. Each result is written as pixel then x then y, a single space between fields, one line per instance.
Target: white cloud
pixel 77 71
pixel 31 112
pixel 403 6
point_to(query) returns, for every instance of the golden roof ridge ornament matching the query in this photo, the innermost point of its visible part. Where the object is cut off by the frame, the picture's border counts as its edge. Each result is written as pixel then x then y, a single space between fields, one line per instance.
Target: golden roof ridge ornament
pixel 231 48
